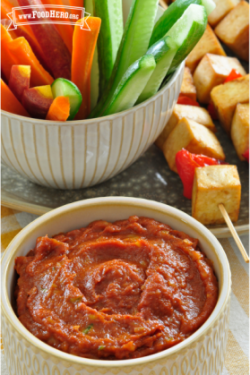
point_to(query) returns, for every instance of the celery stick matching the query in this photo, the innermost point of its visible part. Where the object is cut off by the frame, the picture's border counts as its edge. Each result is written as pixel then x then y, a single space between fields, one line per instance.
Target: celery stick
pixel 110 11
pixel 163 51
pixel 131 85
pixel 134 45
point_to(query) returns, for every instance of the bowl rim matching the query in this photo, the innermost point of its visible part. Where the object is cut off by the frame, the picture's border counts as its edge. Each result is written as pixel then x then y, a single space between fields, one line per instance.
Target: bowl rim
pixel 167 210
pixel 102 118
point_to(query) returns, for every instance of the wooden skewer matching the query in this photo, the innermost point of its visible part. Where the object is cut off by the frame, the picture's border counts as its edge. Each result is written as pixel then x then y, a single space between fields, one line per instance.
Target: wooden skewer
pixel 163 4
pixel 234 233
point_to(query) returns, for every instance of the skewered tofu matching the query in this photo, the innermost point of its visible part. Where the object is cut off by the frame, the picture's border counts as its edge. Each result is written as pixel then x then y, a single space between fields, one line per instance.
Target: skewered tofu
pixel 240 129
pixel 194 138
pixel 222 8
pixel 214 185
pixel 207 44
pixel 180 111
pixel 187 86
pixel 225 98
pixel 233 30
pixel 212 71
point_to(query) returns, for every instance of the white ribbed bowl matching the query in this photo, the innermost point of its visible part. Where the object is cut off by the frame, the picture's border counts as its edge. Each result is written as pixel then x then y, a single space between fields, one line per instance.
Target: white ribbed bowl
pixel 203 353
pixel 83 153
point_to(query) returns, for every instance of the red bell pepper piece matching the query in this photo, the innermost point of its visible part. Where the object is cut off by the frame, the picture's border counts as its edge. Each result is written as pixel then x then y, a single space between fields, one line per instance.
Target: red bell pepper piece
pixel 246 155
pixel 186 164
pixel 232 76
pixel 212 111
pixel 185 100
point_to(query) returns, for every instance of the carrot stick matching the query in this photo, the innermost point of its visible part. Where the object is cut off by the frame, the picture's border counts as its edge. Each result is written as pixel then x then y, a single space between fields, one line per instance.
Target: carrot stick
pixel 59 109
pixel 56 53
pixel 65 30
pixel 24 55
pixel 84 44
pixel 10 103
pixel 76 3
pixel 22 30
pixel 7 58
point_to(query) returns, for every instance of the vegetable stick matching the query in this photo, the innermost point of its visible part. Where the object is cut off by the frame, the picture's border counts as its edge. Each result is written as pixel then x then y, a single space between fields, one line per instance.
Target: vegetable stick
pixel 134 45
pixel 23 30
pixel 24 55
pixel 59 109
pixel 57 55
pixel 84 40
pixel 10 103
pixel 19 80
pixel 7 58
pixel 65 30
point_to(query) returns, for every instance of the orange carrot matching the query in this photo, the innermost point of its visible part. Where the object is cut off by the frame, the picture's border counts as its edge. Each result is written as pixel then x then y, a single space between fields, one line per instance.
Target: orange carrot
pixel 84 43
pixel 65 30
pixel 24 55
pixel 59 109
pixel 76 3
pixel 10 103
pixel 7 58
pixel 22 30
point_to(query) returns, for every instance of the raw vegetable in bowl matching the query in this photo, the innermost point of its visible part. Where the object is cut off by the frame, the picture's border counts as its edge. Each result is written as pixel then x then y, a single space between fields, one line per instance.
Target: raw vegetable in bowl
pixel 54 71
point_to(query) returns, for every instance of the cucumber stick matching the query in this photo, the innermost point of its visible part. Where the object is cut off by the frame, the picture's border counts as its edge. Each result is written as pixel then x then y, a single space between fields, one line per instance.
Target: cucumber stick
pixel 187 31
pixel 134 44
pixel 110 11
pixel 64 87
pixel 163 51
pixel 173 13
pixel 169 17
pixel 131 85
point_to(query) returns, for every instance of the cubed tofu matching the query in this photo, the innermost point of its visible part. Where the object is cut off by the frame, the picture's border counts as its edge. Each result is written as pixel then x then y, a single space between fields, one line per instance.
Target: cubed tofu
pixel 189 112
pixel 225 98
pixel 212 71
pixel 187 86
pixel 214 185
pixel 233 30
pixel 240 129
pixel 207 44
pixel 195 138
pixel 222 8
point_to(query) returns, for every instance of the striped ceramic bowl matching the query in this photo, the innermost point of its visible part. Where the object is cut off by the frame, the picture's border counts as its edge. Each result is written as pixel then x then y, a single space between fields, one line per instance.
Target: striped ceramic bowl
pixel 83 153
pixel 202 353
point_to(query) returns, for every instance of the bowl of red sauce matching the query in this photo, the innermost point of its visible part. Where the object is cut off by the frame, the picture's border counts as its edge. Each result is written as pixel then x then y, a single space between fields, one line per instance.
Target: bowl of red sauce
pixel 112 286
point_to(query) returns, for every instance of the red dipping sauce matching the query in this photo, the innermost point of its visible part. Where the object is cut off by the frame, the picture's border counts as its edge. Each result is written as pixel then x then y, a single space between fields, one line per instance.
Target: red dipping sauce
pixel 115 290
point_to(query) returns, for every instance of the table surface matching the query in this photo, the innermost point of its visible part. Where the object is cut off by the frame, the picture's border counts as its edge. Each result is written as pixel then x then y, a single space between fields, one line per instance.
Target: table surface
pixel 237 357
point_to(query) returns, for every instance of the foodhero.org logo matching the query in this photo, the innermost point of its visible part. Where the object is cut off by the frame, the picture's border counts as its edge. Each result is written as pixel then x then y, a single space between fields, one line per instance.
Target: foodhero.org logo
pixel 49 13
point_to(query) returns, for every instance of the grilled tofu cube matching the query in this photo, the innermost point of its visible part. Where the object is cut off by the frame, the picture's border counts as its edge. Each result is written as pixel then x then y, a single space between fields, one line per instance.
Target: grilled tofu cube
pixel 233 30
pixel 187 86
pixel 214 185
pixel 240 129
pixel 222 8
pixel 193 137
pixel 189 112
pixel 225 98
pixel 212 71
pixel 207 44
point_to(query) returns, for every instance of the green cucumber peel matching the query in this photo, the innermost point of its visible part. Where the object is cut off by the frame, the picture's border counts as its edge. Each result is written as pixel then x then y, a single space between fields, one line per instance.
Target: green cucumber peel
pixel 110 11
pixel 131 85
pixel 64 87
pixel 134 44
pixel 163 51
pixel 186 32
pixel 169 17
